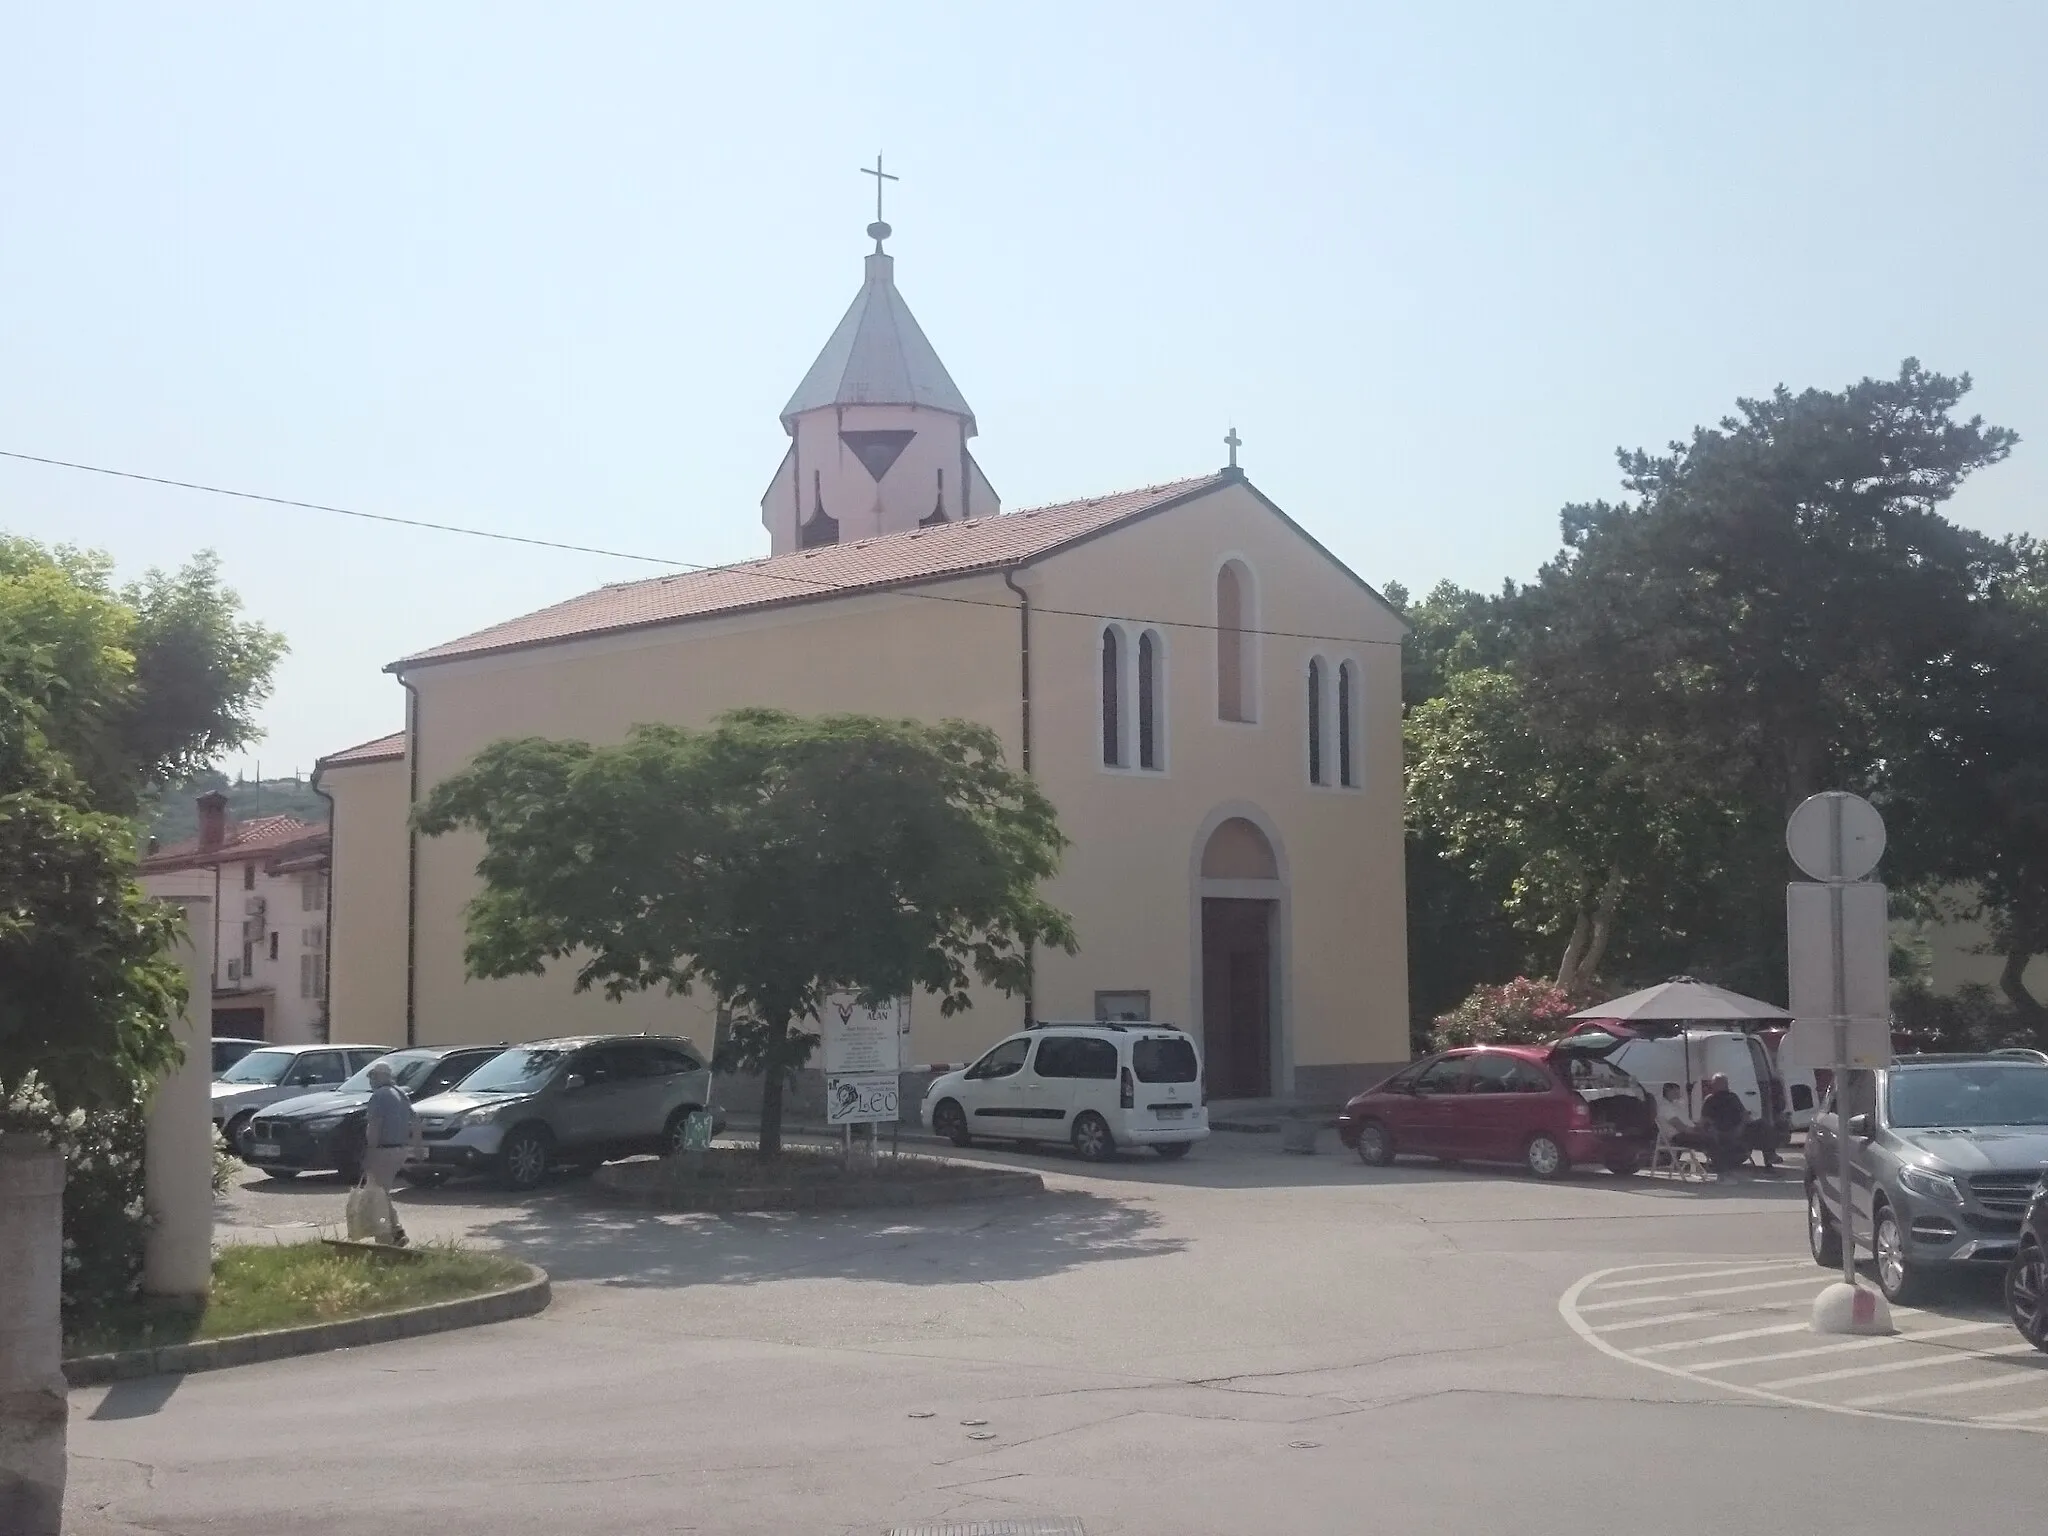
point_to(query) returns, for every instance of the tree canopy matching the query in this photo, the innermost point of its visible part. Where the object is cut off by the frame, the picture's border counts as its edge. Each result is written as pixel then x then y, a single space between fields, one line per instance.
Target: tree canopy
pixel 774 858
pixel 105 693
pixel 1608 753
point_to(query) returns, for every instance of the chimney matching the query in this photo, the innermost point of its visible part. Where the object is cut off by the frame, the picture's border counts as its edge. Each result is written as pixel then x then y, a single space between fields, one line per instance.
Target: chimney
pixel 213 820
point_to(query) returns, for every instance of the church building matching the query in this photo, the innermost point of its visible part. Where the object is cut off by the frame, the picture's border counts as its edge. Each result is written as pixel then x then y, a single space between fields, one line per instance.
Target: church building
pixel 1210 698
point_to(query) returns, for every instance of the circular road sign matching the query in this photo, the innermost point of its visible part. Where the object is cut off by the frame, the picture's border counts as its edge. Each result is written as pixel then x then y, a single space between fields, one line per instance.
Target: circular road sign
pixel 1835 836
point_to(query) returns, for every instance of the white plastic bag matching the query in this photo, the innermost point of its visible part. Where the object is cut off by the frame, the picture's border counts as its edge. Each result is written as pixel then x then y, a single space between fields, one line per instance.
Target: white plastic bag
pixel 370 1217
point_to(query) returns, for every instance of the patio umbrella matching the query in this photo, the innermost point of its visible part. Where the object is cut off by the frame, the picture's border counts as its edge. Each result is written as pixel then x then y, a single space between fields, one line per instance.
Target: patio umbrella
pixel 1681 999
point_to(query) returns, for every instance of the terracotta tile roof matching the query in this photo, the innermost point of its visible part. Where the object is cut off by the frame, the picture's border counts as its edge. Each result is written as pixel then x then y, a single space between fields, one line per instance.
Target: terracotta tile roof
pixel 383 750
pixel 977 545
pixel 266 837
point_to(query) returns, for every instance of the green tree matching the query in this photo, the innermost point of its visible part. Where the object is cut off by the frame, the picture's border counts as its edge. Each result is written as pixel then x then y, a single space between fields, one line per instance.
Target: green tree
pixel 1569 826
pixel 1784 603
pixel 104 693
pixel 774 858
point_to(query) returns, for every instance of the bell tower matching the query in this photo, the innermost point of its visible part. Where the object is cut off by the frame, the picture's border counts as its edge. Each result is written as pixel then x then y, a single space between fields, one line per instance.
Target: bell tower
pixel 878 429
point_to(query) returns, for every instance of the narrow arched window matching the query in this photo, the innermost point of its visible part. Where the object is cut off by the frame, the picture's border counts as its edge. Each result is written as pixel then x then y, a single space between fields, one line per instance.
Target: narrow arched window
pixel 1148 700
pixel 1347 716
pixel 1112 702
pixel 1315 720
pixel 1235 622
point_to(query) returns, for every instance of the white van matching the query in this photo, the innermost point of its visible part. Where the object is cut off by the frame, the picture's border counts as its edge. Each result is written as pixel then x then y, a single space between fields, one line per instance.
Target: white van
pixel 1098 1087
pixel 1692 1056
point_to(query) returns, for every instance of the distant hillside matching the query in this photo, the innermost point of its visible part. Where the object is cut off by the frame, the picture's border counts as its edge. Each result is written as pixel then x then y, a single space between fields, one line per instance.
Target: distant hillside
pixel 177 816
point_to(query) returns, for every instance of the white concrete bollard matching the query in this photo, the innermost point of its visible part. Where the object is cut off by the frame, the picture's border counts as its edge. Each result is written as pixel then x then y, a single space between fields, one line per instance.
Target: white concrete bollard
pixel 32 1391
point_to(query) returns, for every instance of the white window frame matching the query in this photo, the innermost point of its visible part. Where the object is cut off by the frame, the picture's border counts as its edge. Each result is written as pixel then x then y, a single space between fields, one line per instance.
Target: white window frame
pixel 1128 638
pixel 1325 696
pixel 1351 733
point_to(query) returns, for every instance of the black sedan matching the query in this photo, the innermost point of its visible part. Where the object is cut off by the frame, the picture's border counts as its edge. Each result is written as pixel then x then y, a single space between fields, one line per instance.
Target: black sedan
pixel 2026 1282
pixel 325 1130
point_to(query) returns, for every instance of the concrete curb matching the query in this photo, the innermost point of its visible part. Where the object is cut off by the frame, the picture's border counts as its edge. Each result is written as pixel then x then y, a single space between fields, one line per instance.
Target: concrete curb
pixel 522 1300
pixel 660 1195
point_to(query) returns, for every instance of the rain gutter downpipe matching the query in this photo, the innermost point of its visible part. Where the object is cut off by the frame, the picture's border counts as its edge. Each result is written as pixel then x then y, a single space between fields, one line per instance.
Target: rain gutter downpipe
pixel 412 859
pixel 1024 705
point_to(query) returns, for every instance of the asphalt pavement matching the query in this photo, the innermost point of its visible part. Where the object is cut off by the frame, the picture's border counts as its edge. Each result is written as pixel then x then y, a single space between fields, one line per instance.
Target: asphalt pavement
pixel 1244 1342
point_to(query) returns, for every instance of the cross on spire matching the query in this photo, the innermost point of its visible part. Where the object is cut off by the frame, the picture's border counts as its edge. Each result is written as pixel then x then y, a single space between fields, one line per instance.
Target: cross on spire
pixel 1233 442
pixel 878 229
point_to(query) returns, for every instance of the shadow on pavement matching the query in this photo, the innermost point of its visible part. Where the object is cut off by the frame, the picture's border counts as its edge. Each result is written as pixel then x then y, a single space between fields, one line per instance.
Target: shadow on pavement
pixel 1012 1239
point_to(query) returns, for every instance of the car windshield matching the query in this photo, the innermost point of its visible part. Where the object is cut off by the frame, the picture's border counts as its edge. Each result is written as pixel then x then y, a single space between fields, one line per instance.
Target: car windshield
pixel 259 1067
pixel 519 1070
pixel 1168 1060
pixel 1987 1093
pixel 408 1068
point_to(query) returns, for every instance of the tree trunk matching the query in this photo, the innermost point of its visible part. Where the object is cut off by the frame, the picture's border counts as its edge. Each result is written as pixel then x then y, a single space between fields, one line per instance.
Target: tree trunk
pixel 774 1071
pixel 33 1412
pixel 1568 967
pixel 2012 981
pixel 1603 927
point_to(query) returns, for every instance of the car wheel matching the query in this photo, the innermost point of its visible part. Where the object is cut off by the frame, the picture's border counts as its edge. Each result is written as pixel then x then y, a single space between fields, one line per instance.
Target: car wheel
pixel 1092 1139
pixel 232 1131
pixel 1375 1144
pixel 1823 1237
pixel 1903 1283
pixel 523 1160
pixel 1544 1156
pixel 950 1121
pixel 1172 1149
pixel 2026 1294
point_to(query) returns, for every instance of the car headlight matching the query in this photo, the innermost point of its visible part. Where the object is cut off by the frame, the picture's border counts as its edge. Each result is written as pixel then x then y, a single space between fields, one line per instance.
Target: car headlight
pixel 1931 1185
pixel 481 1115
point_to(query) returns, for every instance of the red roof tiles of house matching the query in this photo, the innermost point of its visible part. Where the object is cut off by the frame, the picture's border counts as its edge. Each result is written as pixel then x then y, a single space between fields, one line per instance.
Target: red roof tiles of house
pixel 976 546
pixel 384 749
pixel 267 837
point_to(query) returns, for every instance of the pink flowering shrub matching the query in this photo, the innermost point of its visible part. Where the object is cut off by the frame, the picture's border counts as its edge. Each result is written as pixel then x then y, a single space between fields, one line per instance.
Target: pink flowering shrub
pixel 1518 1012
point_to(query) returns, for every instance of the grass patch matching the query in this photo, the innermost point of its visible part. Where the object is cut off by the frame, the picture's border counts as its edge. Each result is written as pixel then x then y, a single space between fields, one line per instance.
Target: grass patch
pixel 261 1286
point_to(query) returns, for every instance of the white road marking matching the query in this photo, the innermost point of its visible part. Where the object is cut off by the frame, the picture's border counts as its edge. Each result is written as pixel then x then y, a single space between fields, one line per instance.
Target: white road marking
pixel 1722 1338
pixel 1698 1274
pixel 1723 1290
pixel 1891 1367
pixel 1830 1349
pixel 2014 1418
pixel 1981 1384
pixel 1992 1368
pixel 1654 1322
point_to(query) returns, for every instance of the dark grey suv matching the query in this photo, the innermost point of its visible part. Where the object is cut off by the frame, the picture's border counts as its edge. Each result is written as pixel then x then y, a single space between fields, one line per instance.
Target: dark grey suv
pixel 1945 1152
pixel 563 1103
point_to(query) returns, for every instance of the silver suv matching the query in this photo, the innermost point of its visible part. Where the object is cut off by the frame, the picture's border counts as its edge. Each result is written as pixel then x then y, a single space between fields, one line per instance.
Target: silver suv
pixel 1945 1152
pixel 571 1103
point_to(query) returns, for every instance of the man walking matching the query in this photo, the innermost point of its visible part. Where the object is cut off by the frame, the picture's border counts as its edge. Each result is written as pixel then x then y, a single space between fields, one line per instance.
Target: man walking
pixel 389 1129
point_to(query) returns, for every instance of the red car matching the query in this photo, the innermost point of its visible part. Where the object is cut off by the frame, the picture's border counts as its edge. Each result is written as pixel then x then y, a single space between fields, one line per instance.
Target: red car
pixel 1543 1106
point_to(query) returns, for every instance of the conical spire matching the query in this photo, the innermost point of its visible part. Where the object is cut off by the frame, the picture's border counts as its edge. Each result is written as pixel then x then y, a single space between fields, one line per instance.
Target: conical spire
pixel 879 356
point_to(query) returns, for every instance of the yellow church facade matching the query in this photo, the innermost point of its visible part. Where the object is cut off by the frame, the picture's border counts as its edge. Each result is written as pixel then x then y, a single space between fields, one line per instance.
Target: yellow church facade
pixel 1207 695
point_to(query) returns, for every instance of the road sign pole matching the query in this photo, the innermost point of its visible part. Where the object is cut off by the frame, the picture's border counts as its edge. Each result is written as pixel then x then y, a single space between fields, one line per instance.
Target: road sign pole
pixel 1841 1012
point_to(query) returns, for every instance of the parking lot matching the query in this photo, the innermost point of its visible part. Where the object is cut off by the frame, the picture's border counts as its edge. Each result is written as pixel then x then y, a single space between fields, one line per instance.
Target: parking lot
pixel 1282 1343
pixel 1743 1328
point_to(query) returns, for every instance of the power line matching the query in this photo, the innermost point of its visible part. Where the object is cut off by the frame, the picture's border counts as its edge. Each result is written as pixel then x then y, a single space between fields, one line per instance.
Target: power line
pixel 685 565
pixel 316 506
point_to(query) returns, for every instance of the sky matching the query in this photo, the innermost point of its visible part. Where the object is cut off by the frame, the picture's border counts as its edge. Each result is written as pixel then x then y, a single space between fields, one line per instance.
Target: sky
pixel 553 270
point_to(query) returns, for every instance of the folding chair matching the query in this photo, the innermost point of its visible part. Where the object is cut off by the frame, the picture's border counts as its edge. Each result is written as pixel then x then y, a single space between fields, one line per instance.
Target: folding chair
pixel 1687 1164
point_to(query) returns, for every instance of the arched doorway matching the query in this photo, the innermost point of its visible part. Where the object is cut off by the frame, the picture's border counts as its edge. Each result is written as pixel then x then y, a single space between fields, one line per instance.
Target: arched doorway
pixel 1240 890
